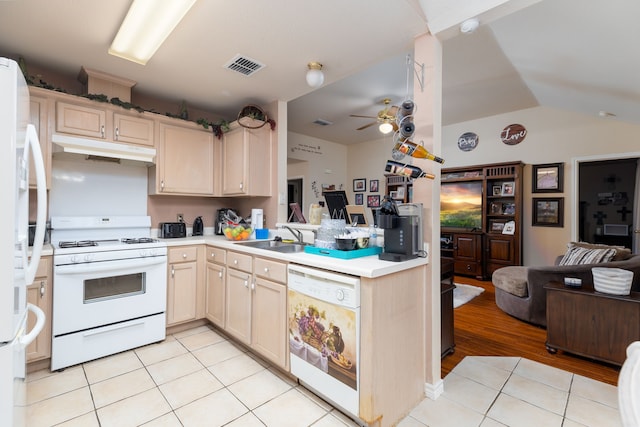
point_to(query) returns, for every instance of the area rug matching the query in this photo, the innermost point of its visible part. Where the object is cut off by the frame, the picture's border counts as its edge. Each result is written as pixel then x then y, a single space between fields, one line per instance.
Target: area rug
pixel 462 294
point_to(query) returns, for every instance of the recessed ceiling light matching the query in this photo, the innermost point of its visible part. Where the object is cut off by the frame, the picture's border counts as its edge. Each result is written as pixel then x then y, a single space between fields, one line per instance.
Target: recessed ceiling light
pixel 469 26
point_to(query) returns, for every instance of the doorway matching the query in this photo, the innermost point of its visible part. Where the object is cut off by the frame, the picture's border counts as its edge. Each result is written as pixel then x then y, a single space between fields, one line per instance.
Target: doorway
pixel 294 194
pixel 607 201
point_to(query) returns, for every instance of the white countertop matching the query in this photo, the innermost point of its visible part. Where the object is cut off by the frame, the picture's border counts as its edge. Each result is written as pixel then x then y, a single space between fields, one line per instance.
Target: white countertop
pixel 369 266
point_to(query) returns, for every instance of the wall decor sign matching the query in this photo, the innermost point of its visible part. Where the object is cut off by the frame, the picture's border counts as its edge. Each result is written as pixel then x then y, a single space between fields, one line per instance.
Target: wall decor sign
pixel 548 212
pixel 513 134
pixel 468 141
pixel 548 178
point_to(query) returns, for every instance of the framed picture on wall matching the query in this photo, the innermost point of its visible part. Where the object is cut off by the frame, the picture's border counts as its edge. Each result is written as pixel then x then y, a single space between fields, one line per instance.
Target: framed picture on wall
pixel 359 184
pixel 373 201
pixel 548 212
pixel 373 186
pixel 548 178
pixel 359 199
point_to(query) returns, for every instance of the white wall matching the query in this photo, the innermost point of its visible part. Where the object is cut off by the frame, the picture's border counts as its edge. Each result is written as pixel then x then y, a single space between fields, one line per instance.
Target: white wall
pixel 320 162
pixel 552 136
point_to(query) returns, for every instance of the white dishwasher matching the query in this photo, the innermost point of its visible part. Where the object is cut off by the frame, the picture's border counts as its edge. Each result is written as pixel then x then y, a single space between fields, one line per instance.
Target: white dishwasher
pixel 324 334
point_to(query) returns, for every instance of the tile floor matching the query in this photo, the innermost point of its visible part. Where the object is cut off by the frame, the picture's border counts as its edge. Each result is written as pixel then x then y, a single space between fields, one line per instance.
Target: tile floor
pixel 198 378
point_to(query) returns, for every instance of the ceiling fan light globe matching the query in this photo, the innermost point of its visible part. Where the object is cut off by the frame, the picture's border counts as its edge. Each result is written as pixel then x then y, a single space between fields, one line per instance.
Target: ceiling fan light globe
pixel 385 127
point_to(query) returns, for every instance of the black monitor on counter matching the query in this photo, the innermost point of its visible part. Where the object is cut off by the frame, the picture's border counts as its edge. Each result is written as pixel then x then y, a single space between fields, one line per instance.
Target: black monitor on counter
pixel 337 204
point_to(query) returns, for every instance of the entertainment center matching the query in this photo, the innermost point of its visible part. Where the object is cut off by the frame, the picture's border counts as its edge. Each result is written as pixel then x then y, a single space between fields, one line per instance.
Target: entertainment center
pixel 481 217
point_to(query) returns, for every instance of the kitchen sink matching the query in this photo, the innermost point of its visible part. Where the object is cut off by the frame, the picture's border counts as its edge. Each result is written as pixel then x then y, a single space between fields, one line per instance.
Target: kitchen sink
pixel 274 245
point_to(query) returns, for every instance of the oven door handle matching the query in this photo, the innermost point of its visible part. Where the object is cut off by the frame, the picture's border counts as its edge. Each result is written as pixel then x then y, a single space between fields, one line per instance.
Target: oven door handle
pixel 109 266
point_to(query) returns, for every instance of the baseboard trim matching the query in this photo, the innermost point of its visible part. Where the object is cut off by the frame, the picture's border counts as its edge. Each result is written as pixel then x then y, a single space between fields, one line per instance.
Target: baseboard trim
pixel 433 391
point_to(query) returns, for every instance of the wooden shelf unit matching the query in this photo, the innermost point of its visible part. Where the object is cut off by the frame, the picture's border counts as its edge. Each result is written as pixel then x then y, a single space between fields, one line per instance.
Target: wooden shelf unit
pixel 479 252
pixel 399 183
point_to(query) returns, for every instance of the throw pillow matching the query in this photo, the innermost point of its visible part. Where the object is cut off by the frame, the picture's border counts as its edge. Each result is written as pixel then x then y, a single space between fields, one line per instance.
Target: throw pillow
pixel 576 255
pixel 622 253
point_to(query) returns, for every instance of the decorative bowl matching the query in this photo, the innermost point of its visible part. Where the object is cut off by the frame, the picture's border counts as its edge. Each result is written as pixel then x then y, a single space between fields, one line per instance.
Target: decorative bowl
pixel 614 281
pixel 236 232
pixel 346 244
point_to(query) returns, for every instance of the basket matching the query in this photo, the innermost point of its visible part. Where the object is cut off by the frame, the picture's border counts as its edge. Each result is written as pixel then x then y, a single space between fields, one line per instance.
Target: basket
pixel 252 117
pixel 614 281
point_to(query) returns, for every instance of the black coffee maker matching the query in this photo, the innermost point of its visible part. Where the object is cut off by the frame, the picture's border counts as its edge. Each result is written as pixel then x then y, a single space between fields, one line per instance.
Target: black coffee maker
pixel 198 227
pixel 401 232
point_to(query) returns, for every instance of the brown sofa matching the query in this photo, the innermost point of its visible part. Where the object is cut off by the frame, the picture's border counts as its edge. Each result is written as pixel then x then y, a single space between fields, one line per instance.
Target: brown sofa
pixel 520 290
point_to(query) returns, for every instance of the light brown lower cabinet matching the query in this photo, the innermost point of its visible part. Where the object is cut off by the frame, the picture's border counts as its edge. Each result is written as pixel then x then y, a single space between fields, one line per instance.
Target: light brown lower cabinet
pixel 39 294
pixel 255 309
pixel 185 300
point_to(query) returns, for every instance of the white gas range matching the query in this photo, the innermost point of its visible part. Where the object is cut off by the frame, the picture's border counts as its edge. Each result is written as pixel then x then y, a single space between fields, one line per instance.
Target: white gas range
pixel 110 281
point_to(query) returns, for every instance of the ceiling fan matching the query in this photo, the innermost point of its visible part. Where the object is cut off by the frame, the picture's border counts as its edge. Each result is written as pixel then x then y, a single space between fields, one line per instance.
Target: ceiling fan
pixel 386 115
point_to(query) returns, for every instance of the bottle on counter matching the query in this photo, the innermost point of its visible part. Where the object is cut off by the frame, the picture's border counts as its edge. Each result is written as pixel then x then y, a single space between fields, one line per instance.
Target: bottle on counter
pixel 373 236
pixel 407 170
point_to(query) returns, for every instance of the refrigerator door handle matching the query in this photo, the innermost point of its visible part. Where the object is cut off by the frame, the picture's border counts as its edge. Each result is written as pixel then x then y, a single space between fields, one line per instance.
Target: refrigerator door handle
pixel 32 144
pixel 25 340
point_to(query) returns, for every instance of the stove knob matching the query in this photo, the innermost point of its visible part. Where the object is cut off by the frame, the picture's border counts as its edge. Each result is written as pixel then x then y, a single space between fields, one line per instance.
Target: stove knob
pixel 340 295
pixel 75 259
pixel 144 253
pixel 88 258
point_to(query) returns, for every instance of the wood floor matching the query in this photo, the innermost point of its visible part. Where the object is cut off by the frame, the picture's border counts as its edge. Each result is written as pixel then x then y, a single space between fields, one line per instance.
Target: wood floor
pixel 482 329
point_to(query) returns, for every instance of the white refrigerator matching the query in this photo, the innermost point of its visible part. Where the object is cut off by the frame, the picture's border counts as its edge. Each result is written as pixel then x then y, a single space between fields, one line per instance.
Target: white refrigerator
pixel 18 262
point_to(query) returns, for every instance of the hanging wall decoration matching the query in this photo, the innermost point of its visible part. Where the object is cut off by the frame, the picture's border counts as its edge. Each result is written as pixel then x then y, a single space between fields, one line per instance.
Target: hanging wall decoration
pixel 513 134
pixel 468 141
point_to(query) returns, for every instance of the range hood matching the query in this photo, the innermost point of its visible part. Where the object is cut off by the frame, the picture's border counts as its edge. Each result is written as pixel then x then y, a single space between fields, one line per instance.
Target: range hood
pixel 92 147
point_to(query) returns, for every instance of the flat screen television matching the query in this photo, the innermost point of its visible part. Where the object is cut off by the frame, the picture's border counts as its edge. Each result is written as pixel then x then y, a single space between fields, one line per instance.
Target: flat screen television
pixel 461 205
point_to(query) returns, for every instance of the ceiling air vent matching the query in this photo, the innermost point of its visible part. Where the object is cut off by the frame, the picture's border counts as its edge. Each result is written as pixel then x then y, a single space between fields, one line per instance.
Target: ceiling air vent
pixel 244 65
pixel 322 122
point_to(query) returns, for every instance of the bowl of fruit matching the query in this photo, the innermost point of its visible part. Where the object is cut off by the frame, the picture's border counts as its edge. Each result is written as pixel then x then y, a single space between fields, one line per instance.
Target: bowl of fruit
pixel 235 231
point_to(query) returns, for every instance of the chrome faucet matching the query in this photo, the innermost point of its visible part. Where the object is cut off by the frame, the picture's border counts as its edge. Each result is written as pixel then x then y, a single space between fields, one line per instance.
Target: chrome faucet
pixel 296 233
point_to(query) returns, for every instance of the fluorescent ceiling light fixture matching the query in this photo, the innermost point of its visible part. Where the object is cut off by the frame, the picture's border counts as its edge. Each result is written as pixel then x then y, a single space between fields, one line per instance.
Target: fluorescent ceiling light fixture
pixel 146 26
pixel 385 127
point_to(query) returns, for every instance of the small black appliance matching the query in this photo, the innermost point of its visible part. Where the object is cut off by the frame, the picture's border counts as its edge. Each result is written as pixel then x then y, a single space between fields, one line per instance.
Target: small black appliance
pixel 172 230
pixel 198 227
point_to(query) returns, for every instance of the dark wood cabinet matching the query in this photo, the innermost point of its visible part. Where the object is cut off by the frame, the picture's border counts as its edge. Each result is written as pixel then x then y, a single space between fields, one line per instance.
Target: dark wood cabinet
pixel 591 324
pixel 446 307
pixel 493 238
pixel 467 254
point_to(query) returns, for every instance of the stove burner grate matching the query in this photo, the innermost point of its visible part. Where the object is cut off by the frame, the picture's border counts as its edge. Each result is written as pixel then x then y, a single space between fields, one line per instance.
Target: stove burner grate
pixel 77 244
pixel 138 240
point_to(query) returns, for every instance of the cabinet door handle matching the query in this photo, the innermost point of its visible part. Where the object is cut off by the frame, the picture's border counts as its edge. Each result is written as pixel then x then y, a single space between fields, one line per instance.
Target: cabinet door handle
pixel 117 133
pixel 253 286
pixel 266 269
pixel 241 185
pixel 102 130
pixel 184 256
pixel 173 272
pixel 42 289
pixel 246 283
pixel 235 262
pixel 220 274
pixel 162 184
